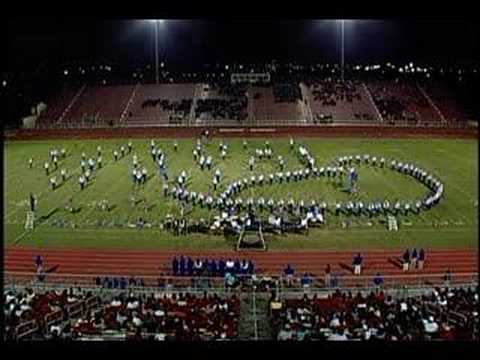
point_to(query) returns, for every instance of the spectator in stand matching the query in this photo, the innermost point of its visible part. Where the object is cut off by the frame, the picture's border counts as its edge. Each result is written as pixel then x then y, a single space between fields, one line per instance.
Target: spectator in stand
pixel 175 266
pixel 357 264
pixel 327 278
pixel 378 280
pixel 413 264
pixel 447 278
pixel 306 280
pixel 288 272
pixel 230 280
pixel 421 259
pixel 406 260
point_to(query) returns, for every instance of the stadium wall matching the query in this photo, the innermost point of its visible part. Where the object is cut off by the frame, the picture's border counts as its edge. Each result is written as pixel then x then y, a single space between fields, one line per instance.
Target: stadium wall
pixel 241 132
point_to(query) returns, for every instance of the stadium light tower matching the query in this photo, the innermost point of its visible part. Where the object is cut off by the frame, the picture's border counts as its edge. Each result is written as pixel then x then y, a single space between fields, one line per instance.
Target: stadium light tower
pixel 342 23
pixel 157 22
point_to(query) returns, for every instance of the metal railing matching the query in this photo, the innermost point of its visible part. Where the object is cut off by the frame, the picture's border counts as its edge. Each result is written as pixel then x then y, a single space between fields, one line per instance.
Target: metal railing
pixel 257 282
pixel 264 122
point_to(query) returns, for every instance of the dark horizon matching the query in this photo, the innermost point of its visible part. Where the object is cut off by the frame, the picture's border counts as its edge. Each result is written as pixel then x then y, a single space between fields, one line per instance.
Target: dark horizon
pixel 186 43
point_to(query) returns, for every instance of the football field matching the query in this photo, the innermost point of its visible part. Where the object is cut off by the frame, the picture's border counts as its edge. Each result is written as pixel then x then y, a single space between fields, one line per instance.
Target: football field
pixel 452 223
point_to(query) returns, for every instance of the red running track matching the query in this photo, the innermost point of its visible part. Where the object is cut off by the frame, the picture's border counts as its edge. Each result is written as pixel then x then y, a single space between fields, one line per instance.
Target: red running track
pixel 154 263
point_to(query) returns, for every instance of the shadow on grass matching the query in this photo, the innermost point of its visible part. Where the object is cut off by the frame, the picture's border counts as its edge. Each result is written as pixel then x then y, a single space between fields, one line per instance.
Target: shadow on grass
pixel 46 217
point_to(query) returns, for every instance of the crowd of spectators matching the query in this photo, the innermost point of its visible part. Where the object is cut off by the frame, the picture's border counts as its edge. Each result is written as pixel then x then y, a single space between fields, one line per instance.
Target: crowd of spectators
pixel 286 92
pixel 180 316
pixel 333 92
pixel 443 314
pixel 165 317
pixel 223 109
pixel 40 314
pixel 328 91
pixel 398 101
pixel 223 101
pixel 179 109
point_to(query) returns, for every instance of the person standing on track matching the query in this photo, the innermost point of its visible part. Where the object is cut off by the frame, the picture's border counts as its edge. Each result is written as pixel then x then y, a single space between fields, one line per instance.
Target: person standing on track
pixel 406 260
pixel 327 280
pixel 421 259
pixel 357 264
pixel 46 166
pixel 30 163
pixel 413 263
pixel 129 147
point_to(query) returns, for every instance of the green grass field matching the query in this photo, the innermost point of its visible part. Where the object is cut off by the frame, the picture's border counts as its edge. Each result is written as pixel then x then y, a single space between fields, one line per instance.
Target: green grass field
pixel 452 223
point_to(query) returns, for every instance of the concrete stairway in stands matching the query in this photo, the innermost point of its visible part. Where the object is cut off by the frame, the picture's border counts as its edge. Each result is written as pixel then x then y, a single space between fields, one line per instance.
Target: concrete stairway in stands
pixel 70 105
pixel 306 108
pixel 432 104
pixel 129 103
pixel 196 93
pixel 370 98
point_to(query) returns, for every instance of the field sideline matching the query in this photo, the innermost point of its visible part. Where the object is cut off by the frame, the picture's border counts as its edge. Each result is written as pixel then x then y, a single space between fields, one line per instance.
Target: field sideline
pixel 453 223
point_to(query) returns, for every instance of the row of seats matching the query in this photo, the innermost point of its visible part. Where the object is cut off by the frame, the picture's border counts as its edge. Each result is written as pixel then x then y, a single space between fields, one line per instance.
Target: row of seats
pixel 327 98
pixel 442 314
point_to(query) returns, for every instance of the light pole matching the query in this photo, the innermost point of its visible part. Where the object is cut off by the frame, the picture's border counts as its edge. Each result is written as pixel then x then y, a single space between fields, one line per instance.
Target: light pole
pixel 157 22
pixel 343 49
pixel 156 52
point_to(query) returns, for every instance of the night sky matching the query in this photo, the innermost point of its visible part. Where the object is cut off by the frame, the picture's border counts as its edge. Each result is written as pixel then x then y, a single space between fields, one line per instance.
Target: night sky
pixel 184 43
pixel 39 48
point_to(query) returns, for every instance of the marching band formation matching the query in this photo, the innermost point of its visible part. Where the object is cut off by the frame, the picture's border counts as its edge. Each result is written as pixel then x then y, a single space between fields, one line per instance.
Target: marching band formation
pixel 231 206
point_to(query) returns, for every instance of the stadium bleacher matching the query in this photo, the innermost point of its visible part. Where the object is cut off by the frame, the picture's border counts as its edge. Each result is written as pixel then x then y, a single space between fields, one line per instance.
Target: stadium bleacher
pixel 56 106
pixel 440 314
pixel 78 314
pixel 316 99
pixel 174 99
pixel 400 101
pixel 98 105
pixel 340 103
pixel 265 107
